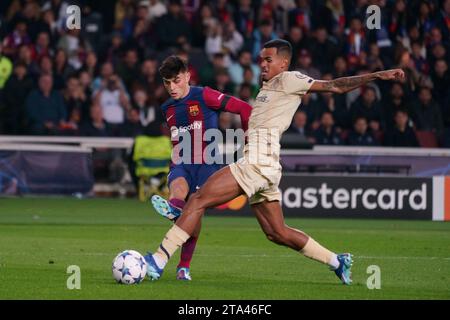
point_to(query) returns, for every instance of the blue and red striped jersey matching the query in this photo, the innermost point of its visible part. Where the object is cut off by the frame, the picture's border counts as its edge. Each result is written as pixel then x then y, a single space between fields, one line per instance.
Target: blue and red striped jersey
pixel 198 112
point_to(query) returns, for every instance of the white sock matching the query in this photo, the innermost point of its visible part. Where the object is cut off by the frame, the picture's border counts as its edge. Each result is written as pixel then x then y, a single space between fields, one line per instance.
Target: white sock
pixel 334 262
pixel 161 263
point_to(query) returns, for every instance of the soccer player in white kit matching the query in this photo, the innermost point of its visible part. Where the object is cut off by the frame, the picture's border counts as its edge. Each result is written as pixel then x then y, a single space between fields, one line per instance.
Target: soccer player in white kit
pixel 257 174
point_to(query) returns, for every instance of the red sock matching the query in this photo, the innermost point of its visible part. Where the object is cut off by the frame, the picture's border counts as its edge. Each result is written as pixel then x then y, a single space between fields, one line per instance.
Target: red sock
pixel 177 203
pixel 187 251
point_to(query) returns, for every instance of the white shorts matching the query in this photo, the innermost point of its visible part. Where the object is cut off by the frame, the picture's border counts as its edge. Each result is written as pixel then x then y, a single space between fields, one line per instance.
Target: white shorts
pixel 259 182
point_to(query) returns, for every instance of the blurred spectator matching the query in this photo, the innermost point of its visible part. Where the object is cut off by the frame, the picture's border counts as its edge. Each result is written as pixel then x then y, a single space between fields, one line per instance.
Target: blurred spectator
pixel 355 43
pixel 313 109
pixel 327 134
pixel 114 49
pixel 260 36
pixel 353 95
pixel 149 115
pixel 325 50
pixel 59 10
pixel 274 11
pixel 249 79
pixel 244 18
pixel 232 39
pixel 298 41
pixel 76 101
pixel 106 71
pixel 368 107
pixel 16 90
pixel 398 21
pixel 300 16
pixel 63 69
pixel 208 72
pixel 75 47
pixel 114 102
pixel 45 107
pixel 237 68
pixel 444 18
pixel 124 11
pixel 374 60
pixel 42 46
pixel 360 135
pixel 418 55
pixel 299 126
pixel 396 100
pixel 95 126
pixel 155 9
pixel 333 103
pixel 202 25
pixel 340 67
pixel 440 75
pixel 128 68
pixel 90 64
pixel 150 79
pixel 132 126
pixel 91 26
pixel 305 66
pixel 423 21
pixel 223 82
pixel 214 44
pixel 46 67
pixel 401 135
pixel 173 29
pixel 426 113
pixel 24 55
pixel 224 10
pixel 19 36
pixel 245 93
pixel 189 8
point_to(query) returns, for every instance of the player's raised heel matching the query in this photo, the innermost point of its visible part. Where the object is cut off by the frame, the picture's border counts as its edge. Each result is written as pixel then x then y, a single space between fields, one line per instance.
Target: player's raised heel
pixel 153 271
pixel 343 272
pixel 163 208
pixel 183 274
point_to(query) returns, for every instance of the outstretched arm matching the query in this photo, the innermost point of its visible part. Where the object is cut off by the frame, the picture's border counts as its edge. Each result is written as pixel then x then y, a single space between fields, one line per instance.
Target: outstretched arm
pixel 222 102
pixel 346 84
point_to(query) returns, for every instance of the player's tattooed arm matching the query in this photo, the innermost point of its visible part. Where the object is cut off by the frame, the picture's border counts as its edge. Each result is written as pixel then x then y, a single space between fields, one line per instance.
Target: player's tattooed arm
pixel 346 84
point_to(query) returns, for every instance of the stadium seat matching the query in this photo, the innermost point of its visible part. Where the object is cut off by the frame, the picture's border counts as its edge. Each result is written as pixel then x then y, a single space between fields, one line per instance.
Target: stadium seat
pixel 427 139
pixel 152 156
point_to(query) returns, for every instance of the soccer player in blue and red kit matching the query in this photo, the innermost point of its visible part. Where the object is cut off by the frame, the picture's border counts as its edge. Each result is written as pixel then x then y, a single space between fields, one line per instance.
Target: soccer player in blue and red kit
pixel 191 110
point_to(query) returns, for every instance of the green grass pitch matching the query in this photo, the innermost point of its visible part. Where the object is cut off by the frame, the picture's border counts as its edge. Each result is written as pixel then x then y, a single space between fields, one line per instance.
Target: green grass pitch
pixel 41 237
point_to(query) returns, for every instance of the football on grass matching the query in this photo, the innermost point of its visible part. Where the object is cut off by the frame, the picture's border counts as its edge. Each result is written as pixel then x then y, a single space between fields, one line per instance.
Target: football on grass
pixel 129 267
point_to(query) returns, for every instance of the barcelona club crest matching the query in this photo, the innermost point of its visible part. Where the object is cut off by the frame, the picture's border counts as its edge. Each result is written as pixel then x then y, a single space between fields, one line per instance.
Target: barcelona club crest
pixel 193 110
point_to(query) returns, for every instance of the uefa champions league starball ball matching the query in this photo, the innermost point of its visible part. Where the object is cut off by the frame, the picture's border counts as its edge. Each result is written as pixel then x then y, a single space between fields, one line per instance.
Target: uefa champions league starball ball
pixel 129 267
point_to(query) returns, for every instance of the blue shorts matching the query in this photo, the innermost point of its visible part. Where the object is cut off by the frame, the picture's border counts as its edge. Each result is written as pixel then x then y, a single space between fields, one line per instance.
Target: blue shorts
pixel 195 174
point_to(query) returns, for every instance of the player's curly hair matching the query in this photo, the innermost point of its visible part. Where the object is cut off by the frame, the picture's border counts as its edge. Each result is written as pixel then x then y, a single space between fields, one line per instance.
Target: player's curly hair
pixel 172 66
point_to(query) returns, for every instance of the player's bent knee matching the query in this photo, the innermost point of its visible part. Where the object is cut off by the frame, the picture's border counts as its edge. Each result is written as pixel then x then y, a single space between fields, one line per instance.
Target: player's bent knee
pixel 198 200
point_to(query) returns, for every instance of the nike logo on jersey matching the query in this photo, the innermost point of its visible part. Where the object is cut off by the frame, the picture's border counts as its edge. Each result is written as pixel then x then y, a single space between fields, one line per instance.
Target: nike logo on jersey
pixel 170 118
pixel 220 97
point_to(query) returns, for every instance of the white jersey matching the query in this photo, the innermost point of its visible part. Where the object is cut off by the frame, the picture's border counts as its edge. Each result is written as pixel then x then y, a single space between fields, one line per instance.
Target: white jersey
pixel 272 113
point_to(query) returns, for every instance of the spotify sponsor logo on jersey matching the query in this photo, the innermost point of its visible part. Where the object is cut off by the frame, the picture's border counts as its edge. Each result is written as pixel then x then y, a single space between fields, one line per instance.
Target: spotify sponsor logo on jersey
pixel 357 196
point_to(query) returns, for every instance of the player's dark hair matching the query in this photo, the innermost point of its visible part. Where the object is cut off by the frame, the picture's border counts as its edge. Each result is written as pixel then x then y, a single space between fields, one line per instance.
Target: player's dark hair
pixel 283 47
pixel 172 66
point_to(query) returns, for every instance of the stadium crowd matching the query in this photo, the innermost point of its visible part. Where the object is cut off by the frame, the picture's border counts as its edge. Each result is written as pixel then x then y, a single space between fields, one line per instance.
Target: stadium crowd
pixel 103 80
